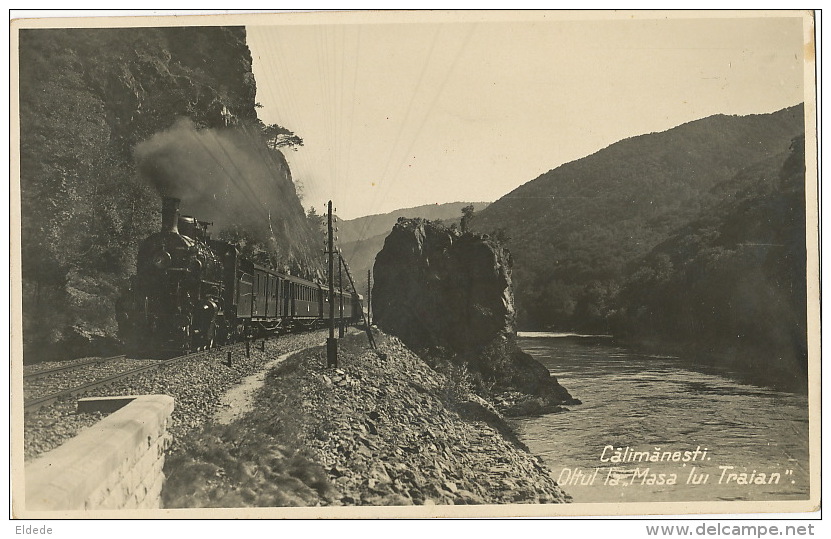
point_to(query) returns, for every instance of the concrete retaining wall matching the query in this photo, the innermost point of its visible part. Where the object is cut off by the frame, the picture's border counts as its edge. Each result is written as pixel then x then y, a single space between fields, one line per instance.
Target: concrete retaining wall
pixel 115 464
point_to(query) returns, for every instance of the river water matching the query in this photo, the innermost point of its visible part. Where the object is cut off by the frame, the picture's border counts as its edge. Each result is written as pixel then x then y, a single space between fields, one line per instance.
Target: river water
pixel 661 428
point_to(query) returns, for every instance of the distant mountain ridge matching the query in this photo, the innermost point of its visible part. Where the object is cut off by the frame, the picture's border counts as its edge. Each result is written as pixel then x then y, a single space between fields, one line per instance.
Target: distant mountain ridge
pixel 362 238
pixel 362 228
pixel 574 229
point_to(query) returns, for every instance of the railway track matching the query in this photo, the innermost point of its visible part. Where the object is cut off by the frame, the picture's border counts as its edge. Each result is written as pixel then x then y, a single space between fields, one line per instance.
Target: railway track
pixel 36 403
pixel 72 366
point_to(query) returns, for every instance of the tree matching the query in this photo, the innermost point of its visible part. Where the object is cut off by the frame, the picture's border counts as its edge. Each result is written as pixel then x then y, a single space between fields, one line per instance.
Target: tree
pixel 467 217
pixel 278 137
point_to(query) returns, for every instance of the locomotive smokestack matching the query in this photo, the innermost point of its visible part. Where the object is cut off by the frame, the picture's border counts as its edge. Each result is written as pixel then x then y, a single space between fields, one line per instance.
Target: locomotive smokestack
pixel 170 214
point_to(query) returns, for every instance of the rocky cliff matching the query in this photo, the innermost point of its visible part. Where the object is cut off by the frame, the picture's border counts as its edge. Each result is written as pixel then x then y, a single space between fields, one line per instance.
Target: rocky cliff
pixel 449 296
pixel 88 98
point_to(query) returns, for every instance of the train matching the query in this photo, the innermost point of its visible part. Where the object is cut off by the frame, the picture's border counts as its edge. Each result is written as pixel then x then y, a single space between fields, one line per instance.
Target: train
pixel 192 292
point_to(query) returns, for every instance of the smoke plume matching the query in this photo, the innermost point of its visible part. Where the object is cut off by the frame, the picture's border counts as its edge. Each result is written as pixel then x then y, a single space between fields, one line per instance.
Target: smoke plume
pixel 231 178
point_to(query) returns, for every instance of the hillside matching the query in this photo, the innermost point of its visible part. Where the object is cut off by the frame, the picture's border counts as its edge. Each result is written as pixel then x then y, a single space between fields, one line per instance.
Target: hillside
pixel 363 238
pixel 109 120
pixel 574 230
pixel 732 284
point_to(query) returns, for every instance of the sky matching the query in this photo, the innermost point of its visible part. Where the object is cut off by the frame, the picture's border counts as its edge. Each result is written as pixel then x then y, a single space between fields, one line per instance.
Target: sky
pixel 400 114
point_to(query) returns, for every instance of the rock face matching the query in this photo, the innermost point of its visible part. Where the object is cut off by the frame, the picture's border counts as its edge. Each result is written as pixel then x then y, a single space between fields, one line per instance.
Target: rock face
pixel 449 295
pixel 434 287
pixel 88 97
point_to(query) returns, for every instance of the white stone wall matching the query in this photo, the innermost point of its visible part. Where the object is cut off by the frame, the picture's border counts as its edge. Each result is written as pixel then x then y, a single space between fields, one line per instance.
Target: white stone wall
pixel 115 464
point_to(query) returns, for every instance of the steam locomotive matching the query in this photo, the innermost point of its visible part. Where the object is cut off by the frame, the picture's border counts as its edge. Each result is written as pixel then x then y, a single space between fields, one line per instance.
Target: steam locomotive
pixel 191 292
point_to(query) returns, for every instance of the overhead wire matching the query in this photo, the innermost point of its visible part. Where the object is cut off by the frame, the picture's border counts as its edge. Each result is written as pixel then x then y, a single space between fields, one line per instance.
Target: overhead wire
pixel 402 125
pixel 286 102
pixel 386 186
pixel 431 107
pixel 254 200
pixel 337 125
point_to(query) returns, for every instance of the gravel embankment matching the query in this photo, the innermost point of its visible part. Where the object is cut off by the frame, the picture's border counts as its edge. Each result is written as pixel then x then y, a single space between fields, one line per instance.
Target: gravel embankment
pixel 384 429
pixel 40 387
pixel 405 434
pixel 46 365
pixel 196 384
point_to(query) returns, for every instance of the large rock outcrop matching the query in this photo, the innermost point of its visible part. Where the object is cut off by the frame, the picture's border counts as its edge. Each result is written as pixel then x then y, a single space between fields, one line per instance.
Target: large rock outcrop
pixel 448 295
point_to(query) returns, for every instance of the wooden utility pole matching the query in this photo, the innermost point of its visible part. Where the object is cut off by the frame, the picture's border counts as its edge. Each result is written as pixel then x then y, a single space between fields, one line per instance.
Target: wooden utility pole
pixel 331 342
pixel 369 297
pixel 340 296
pixel 363 314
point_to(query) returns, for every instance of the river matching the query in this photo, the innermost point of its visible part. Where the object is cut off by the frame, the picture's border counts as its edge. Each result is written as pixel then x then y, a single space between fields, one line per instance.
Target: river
pixel 661 428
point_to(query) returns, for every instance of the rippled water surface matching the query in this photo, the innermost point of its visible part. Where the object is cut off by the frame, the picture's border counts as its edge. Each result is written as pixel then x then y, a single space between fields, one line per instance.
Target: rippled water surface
pixel 650 403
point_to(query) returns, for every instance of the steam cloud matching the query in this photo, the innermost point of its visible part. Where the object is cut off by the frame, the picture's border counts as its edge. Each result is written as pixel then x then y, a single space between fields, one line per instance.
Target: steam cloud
pixel 231 178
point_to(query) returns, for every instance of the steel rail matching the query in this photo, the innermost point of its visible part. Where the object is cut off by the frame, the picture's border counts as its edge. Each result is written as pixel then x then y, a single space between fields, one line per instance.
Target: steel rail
pixel 46 372
pixel 34 404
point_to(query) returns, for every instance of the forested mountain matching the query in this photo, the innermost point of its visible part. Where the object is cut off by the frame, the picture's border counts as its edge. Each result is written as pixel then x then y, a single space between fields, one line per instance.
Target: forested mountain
pixel 732 282
pixel 106 115
pixel 575 230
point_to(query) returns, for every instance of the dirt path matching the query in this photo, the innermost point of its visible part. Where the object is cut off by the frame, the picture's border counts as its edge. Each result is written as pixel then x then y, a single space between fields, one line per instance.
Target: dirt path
pixel 239 400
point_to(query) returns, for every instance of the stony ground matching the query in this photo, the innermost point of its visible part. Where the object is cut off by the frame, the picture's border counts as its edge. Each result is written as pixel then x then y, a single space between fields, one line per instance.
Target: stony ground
pixel 196 384
pixel 383 429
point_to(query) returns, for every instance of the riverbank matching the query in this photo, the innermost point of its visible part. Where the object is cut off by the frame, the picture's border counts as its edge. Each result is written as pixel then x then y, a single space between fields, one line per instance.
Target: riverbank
pixel 743 361
pixel 383 429
pixel 672 403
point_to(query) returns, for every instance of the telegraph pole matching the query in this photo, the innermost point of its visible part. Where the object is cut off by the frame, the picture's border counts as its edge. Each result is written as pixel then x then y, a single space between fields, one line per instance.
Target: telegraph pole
pixel 369 297
pixel 340 297
pixel 331 342
pixel 363 314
